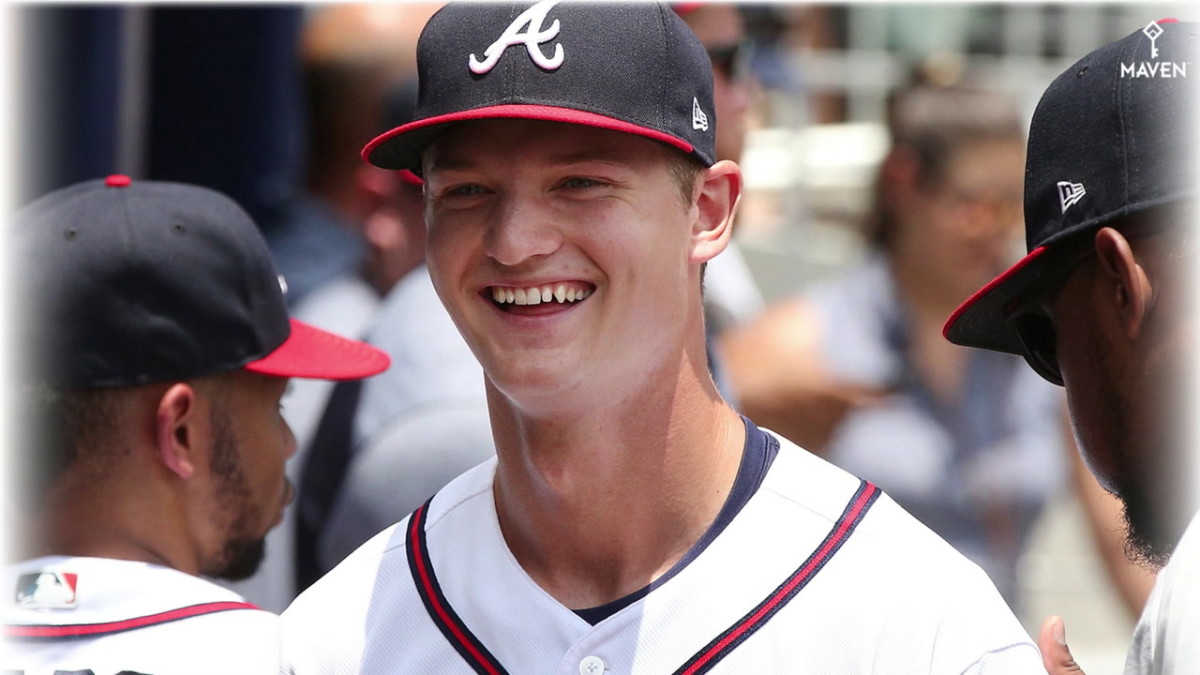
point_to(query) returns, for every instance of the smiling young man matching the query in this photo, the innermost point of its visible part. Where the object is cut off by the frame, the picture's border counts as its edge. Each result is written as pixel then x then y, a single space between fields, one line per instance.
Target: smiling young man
pixel 632 522
pixel 156 349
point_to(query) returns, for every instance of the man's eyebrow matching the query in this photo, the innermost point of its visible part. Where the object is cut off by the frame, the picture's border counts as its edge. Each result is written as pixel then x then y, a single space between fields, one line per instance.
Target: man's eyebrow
pixel 460 162
pixel 445 162
pixel 607 155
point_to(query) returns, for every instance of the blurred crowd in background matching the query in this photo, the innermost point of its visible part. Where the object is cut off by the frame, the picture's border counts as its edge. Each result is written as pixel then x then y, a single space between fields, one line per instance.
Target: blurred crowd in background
pixel 882 146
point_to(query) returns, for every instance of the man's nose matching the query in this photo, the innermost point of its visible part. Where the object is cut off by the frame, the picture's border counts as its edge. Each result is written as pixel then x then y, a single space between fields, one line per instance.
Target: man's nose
pixel 522 229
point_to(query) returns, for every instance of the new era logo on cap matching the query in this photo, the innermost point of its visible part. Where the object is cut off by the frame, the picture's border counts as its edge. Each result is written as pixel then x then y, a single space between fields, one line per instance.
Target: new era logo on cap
pixel 699 119
pixel 1069 193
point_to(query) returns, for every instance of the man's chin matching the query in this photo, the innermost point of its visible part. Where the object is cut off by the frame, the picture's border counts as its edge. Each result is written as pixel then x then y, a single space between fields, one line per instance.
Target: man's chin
pixel 1148 540
pixel 242 559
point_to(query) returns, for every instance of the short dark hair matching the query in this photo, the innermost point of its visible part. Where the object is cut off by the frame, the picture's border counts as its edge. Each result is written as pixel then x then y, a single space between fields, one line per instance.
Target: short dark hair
pixel 60 423
pixel 684 168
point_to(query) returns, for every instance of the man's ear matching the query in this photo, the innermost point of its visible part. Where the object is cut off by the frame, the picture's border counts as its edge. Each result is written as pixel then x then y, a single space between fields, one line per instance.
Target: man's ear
pixel 1129 286
pixel 176 431
pixel 719 190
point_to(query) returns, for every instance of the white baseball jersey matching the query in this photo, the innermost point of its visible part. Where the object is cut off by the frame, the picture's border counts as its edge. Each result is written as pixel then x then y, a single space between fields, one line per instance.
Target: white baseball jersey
pixel 105 617
pixel 1167 638
pixel 818 572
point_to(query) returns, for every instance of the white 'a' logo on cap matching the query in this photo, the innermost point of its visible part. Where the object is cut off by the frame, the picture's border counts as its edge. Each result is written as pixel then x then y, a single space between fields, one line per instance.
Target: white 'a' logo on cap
pixel 531 38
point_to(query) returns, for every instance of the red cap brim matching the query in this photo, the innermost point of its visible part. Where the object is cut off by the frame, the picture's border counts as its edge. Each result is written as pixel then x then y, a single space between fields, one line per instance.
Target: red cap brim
pixel 407 176
pixel 310 352
pixel 401 147
pixel 980 320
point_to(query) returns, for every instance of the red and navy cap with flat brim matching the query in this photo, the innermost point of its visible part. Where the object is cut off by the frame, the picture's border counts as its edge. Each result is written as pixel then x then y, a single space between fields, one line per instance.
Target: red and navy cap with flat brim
pixel 130 283
pixel 635 68
pixel 1111 137
pixel 980 321
pixel 309 352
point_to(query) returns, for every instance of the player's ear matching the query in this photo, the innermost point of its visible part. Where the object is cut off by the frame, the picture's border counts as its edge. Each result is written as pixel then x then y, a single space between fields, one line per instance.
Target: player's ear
pixel 1129 287
pixel 176 429
pixel 718 193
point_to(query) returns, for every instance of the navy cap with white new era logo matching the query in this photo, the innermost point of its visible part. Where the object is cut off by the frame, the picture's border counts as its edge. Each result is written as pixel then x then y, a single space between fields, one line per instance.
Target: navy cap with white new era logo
pixel 633 67
pixel 1113 135
pixel 134 282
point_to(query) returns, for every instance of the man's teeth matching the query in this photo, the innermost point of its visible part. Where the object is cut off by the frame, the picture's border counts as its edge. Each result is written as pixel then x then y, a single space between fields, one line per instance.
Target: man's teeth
pixel 538 295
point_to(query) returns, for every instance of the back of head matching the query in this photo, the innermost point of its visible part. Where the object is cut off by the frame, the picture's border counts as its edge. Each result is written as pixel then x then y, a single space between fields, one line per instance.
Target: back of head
pixel 1113 135
pixel 133 282
pixel 127 284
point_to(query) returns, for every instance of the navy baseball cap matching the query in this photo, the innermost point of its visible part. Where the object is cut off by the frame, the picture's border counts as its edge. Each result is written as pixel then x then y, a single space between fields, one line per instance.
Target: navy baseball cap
pixel 1113 135
pixel 633 67
pixel 135 282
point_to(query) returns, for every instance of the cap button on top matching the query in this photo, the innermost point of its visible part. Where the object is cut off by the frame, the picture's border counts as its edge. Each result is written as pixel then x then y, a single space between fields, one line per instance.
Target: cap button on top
pixel 117 180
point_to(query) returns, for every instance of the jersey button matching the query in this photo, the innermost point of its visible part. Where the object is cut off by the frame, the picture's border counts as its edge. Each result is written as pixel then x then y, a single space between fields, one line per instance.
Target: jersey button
pixel 591 665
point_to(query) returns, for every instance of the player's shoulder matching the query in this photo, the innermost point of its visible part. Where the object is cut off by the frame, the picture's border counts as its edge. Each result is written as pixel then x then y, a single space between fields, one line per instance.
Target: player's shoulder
pixel 375 584
pixel 378 573
pixel 810 485
pixel 1164 638
pixel 132 616
pixel 919 588
pixel 101 590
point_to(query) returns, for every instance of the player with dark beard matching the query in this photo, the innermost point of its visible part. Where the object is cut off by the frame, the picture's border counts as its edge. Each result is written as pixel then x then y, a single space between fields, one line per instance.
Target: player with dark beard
pixel 244 551
pixel 1102 306
pixel 155 352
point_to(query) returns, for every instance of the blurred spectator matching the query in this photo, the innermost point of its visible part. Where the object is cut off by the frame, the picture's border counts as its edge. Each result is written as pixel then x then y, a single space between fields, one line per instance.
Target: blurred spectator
pixel 784 34
pixel 856 368
pixel 355 58
pixel 393 244
pixel 380 450
pixel 355 229
pixel 731 295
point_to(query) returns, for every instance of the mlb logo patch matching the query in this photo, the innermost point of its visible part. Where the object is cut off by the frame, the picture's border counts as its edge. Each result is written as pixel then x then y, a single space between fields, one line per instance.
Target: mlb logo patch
pixel 47 590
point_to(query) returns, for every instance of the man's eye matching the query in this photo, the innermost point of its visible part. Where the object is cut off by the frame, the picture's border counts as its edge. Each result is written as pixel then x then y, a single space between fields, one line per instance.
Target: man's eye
pixel 466 190
pixel 579 183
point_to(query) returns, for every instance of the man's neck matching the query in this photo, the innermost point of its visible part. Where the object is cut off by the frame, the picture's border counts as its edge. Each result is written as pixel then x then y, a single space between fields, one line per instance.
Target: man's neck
pixel 88 521
pixel 597 505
